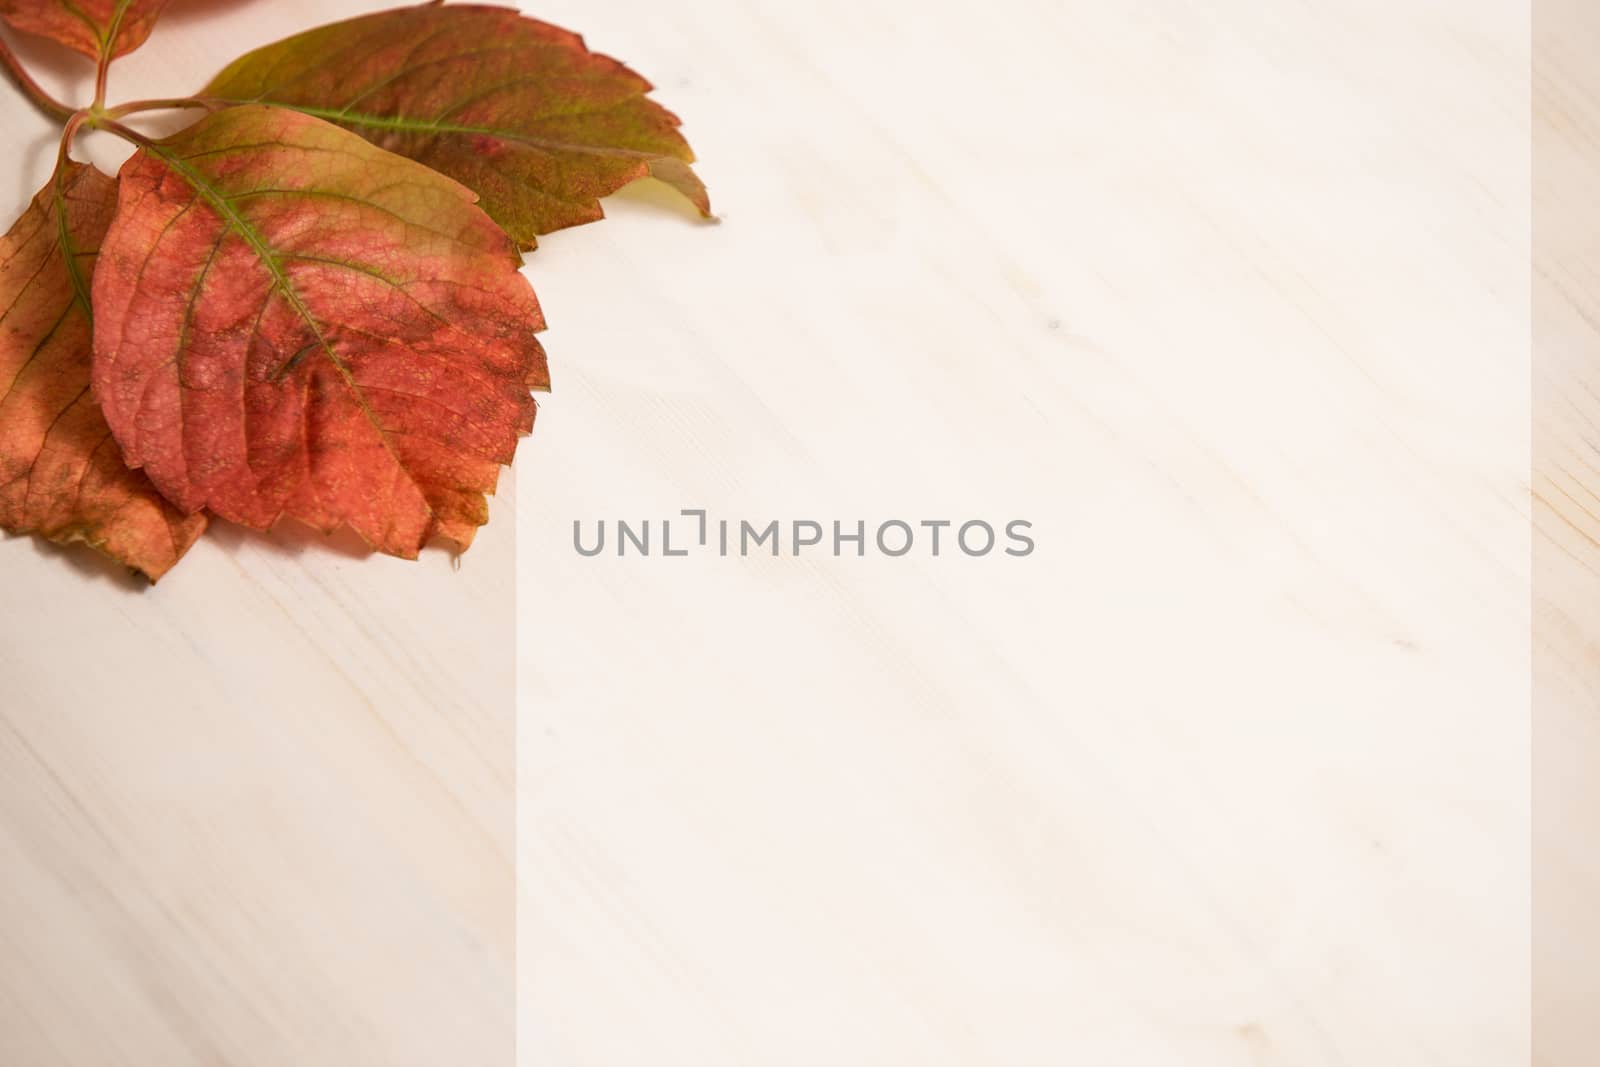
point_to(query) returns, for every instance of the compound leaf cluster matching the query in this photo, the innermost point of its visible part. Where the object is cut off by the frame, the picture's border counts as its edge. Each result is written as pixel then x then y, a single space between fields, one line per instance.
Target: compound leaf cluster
pixel 307 303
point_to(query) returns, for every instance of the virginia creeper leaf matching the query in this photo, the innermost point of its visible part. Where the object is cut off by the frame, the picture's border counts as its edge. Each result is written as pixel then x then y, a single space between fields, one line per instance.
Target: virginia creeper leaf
pixel 87 26
pixel 61 474
pixel 518 110
pixel 292 321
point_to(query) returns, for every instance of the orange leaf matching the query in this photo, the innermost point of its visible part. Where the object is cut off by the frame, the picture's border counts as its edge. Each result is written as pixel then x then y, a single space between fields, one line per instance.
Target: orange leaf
pixel 291 321
pixel 516 109
pixel 61 474
pixel 87 26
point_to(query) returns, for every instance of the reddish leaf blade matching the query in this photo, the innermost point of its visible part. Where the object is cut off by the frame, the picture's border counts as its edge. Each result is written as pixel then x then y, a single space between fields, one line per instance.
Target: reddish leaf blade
pixel 87 26
pixel 61 474
pixel 516 109
pixel 291 321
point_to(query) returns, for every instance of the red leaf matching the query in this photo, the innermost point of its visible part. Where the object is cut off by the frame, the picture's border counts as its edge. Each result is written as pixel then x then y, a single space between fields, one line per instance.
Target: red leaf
pixel 61 474
pixel 516 109
pixel 290 321
pixel 87 26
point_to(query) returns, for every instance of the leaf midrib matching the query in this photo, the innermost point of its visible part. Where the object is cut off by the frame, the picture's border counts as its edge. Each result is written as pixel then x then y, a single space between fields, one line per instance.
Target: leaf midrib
pixel 269 259
pixel 402 124
pixel 70 253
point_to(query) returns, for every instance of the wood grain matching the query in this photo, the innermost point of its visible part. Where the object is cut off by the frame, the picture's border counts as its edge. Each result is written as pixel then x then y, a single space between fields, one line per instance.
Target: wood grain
pixel 262 813
pixel 1232 301
pixel 1566 549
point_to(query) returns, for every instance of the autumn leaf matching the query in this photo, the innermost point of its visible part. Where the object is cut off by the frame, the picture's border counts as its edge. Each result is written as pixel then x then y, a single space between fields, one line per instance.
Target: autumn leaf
pixel 87 26
pixel 308 304
pixel 291 321
pixel 518 110
pixel 61 474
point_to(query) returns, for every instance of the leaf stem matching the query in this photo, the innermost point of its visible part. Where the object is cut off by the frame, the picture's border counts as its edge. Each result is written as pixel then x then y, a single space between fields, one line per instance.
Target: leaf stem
pixel 100 75
pixel 75 121
pixel 108 53
pixel 175 104
pixel 35 92
pixel 133 137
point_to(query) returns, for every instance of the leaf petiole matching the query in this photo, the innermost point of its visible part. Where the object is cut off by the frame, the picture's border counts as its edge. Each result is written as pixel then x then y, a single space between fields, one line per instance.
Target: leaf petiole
pixel 176 104
pixel 75 121
pixel 108 53
pixel 132 136
pixel 35 92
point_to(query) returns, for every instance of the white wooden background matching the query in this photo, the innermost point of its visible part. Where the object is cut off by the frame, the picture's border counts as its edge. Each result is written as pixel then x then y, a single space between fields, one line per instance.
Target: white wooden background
pixel 1231 300
pixel 262 813
pixel 1566 548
